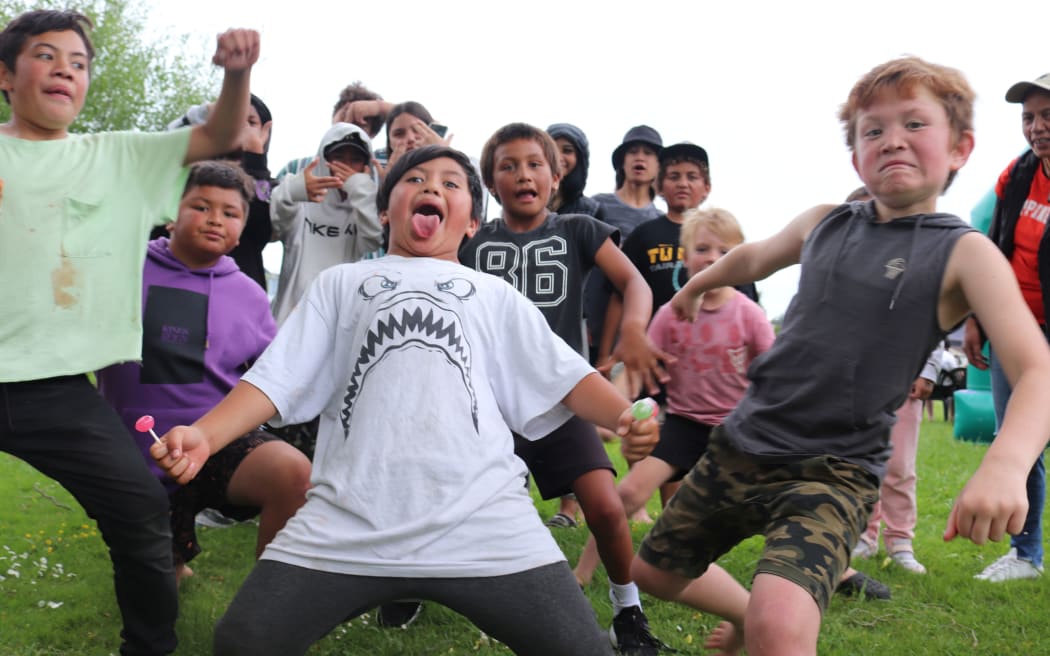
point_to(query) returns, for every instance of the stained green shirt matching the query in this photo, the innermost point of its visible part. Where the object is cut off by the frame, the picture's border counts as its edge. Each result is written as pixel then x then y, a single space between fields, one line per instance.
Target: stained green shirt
pixel 75 214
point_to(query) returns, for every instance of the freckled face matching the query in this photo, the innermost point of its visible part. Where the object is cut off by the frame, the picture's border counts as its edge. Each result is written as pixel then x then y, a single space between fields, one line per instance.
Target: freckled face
pixel 904 150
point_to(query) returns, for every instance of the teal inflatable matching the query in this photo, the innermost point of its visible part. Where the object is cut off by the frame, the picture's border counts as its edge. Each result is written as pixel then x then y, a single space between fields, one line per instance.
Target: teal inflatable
pixel 978 379
pixel 981 214
pixel 974 411
pixel 974 416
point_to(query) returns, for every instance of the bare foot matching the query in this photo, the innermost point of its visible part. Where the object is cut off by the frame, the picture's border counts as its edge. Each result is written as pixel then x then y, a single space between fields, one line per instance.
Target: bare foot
pixel 726 638
pixel 182 571
pixel 641 516
pixel 584 582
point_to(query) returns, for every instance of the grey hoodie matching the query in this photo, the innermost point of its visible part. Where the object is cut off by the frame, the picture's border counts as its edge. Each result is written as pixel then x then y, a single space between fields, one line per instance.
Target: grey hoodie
pixel 320 235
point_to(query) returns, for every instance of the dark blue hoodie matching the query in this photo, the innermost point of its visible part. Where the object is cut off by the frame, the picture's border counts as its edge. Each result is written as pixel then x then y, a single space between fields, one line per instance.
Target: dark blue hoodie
pixel 201 330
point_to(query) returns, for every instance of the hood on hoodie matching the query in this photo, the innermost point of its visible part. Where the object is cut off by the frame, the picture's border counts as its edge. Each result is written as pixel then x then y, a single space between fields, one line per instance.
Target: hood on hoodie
pixel 341 132
pixel 573 184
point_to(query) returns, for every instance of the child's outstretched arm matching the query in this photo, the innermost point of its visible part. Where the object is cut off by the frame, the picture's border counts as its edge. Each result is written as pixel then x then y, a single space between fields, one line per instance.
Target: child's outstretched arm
pixel 594 399
pixel 749 262
pixel 994 500
pixel 639 355
pixel 236 51
pixel 183 450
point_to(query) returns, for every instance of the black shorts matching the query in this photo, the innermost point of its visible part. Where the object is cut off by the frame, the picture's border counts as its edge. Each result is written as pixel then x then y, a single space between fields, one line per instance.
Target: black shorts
pixel 682 442
pixel 208 490
pixel 558 459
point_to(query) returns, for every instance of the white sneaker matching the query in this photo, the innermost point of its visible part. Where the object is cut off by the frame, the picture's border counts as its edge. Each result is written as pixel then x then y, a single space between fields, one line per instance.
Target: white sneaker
pixel 906 560
pixel 212 518
pixel 864 549
pixel 1010 568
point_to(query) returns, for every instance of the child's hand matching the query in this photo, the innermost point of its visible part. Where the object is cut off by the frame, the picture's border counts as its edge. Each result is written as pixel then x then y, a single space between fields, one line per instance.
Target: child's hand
pixel 318 185
pixel 362 112
pixel 343 171
pixel 427 135
pixel 921 389
pixel 637 438
pixel 181 452
pixel 992 503
pixel 685 306
pixel 973 343
pixel 643 361
pixel 254 138
pixel 236 50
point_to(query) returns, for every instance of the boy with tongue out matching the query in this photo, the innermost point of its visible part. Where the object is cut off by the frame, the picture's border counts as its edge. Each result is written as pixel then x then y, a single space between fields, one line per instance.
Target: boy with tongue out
pixel 419 371
pixel 547 256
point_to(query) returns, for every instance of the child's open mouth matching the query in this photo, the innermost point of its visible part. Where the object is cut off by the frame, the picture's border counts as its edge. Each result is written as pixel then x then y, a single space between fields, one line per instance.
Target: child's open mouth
pixel 425 220
pixel 60 93
pixel 526 195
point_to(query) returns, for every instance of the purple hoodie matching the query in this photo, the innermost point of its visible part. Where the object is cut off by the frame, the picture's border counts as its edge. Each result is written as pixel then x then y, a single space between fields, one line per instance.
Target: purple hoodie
pixel 193 352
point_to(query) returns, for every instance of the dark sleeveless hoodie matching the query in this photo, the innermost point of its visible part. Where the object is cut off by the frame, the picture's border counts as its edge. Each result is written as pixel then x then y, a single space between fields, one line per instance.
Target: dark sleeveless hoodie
pixel 854 337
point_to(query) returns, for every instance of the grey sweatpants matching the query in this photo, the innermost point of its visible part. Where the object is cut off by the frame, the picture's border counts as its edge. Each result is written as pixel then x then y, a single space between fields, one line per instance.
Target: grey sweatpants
pixel 283 609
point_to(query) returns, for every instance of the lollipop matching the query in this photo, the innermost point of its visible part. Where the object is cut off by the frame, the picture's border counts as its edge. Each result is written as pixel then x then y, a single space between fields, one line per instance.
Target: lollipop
pixel 144 424
pixel 642 409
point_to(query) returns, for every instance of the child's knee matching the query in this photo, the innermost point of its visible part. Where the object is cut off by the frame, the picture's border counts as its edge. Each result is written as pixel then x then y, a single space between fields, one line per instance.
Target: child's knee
pixel 605 513
pixel 290 475
pixel 632 496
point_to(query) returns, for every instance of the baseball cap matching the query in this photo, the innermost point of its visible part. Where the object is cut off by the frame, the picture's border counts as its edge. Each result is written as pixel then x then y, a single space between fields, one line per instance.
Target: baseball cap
pixel 1017 92
pixel 684 149
pixel 353 140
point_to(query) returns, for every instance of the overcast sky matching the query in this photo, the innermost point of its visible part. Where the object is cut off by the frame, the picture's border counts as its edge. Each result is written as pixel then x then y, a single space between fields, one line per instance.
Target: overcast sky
pixel 758 84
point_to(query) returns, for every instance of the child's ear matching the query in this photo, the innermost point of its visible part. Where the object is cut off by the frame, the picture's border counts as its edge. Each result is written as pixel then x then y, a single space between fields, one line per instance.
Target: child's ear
pixel 962 149
pixel 5 78
pixel 472 227
pixel 384 218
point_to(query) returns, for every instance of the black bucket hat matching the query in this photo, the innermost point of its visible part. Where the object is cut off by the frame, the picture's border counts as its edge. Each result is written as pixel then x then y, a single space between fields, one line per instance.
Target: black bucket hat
pixel 638 134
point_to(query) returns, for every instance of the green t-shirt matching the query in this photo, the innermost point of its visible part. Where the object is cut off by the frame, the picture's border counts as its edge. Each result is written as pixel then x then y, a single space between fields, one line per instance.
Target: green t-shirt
pixel 75 216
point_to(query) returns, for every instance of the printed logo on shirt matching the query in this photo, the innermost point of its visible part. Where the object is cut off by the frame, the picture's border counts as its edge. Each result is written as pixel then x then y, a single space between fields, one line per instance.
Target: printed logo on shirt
pixel 412 320
pixel 534 269
pixel 174 336
pixel 895 267
pixel 1035 211
pixel 327 230
pixel 664 254
pixel 738 358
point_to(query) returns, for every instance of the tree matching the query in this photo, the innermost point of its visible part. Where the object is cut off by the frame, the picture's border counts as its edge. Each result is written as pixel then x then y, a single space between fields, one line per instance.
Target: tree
pixel 135 84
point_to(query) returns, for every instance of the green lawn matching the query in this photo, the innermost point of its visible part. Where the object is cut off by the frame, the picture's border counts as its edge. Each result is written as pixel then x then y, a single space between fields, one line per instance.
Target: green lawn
pixel 56 593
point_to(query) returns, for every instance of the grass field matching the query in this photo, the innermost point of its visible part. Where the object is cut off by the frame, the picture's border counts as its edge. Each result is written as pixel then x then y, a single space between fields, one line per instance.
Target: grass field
pixel 56 594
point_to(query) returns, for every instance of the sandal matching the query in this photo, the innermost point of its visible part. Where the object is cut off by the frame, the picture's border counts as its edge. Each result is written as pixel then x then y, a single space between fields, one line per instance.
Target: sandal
pixel 862 585
pixel 561 520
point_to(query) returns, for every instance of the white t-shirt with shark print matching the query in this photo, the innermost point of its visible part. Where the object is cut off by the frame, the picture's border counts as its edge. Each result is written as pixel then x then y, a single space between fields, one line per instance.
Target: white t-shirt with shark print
pixel 420 369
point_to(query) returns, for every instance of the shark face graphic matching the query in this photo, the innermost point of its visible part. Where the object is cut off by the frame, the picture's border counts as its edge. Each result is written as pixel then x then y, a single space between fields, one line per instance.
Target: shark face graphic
pixel 412 319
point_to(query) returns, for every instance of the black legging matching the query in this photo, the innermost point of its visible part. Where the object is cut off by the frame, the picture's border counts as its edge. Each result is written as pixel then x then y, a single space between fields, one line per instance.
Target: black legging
pixel 283 609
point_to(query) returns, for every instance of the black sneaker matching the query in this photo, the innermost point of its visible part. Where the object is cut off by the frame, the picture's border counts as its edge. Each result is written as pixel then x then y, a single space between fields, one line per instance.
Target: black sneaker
pixel 398 614
pixel 630 635
pixel 863 585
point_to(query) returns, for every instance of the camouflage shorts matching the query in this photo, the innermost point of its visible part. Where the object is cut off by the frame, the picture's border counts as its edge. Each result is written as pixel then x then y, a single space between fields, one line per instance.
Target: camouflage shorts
pixel 811 513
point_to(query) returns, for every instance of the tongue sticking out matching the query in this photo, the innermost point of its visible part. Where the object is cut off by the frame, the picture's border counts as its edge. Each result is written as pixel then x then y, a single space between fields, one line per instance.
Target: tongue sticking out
pixel 425 225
